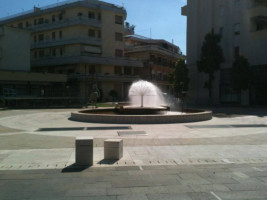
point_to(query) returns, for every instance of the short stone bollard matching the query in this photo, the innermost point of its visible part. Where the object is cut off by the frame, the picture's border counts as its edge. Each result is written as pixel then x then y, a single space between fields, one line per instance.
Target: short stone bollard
pixel 84 151
pixel 113 149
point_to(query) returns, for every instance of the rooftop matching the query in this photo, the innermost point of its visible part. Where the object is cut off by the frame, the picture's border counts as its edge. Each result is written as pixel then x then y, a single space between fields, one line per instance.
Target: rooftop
pixel 62 5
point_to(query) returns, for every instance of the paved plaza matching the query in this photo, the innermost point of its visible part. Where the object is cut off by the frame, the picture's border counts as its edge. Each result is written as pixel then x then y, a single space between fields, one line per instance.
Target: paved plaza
pixel 224 158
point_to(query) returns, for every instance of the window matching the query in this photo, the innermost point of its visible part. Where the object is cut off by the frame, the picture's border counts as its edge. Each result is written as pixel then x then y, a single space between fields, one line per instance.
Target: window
pixel 91 33
pixel 41 37
pixel 60 34
pixel 99 34
pixel 127 70
pixel 53 18
pixel 70 71
pixel 118 52
pixel 99 17
pixel 117 70
pixel 136 71
pixel 20 25
pixel 152 57
pixel 91 15
pixel 35 38
pixel 35 21
pixel 54 52
pixel 118 19
pixel 61 51
pixel 41 54
pixel 60 16
pixel 35 54
pixel 53 35
pixel 237 29
pixel 40 20
pixel 118 37
pixel 92 69
pixel 237 49
pixel 27 24
pixel 259 26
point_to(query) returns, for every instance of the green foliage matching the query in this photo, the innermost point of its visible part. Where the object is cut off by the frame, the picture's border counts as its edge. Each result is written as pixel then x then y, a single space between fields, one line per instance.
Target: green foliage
pixel 179 78
pixel 211 57
pixel 241 74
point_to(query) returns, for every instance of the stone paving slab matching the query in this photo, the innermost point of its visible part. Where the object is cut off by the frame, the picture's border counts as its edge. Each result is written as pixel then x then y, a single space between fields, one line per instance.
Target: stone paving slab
pixel 178 155
pixel 91 183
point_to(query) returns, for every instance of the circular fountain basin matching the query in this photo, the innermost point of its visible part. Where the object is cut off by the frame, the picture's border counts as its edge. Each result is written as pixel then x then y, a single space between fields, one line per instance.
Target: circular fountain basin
pixel 110 115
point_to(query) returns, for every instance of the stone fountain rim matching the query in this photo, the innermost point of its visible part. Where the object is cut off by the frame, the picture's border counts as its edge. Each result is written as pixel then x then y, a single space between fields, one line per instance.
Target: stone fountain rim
pixel 198 115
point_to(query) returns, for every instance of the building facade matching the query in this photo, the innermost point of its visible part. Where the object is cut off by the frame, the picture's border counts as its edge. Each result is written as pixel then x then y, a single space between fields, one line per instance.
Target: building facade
pixel 158 56
pixel 14 43
pixel 18 85
pixel 243 27
pixel 83 39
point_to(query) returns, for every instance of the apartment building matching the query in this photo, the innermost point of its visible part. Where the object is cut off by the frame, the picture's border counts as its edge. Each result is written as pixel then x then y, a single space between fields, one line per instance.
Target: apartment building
pixel 83 39
pixel 158 56
pixel 18 85
pixel 243 27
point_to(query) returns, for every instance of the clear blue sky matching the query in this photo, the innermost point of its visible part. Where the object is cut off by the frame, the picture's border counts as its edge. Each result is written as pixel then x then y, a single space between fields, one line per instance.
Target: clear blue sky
pixel 163 17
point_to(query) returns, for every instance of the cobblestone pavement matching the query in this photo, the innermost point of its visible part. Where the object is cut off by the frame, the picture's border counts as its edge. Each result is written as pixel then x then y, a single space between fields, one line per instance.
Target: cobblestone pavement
pixel 224 158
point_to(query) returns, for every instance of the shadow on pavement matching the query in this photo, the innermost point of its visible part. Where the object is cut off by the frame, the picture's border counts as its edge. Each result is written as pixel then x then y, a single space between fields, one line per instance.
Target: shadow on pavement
pixel 107 162
pixel 75 168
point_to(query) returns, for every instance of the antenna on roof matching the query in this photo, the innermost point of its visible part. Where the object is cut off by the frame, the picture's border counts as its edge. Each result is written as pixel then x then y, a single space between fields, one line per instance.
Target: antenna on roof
pixel 150 33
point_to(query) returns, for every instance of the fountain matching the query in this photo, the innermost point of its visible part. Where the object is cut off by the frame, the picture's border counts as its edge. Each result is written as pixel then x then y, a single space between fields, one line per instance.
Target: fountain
pixel 146 94
pixel 145 98
pixel 147 106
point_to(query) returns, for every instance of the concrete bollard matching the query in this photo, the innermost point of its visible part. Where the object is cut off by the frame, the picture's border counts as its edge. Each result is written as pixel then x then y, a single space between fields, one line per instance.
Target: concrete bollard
pixel 113 149
pixel 84 151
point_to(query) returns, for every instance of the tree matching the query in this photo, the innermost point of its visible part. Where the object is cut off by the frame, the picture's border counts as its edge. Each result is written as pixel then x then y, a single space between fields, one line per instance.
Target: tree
pixel 241 74
pixel 211 57
pixel 179 78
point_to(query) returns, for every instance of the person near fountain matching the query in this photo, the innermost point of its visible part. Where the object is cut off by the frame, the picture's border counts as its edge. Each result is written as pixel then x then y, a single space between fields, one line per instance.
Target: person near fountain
pixel 94 96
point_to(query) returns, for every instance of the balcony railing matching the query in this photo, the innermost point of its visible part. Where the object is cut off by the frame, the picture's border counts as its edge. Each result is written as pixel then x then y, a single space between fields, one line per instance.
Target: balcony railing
pixel 132 49
pixel 89 59
pixel 79 20
pixel 258 9
pixel 105 76
pixel 77 40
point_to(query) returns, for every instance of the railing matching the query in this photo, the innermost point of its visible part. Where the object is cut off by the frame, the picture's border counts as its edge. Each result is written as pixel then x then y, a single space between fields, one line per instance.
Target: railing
pixel 66 22
pixel 86 40
pixel 152 48
pixel 104 76
pixel 90 59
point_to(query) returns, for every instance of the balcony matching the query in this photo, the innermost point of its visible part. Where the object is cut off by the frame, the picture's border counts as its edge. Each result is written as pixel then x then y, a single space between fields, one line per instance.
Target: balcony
pixel 141 48
pixel 77 40
pixel 258 11
pixel 105 77
pixel 184 10
pixel 66 23
pixel 89 59
pixel 258 35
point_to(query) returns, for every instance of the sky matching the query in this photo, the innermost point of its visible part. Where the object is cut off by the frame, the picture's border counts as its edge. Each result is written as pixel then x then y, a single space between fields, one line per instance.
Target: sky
pixel 160 18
